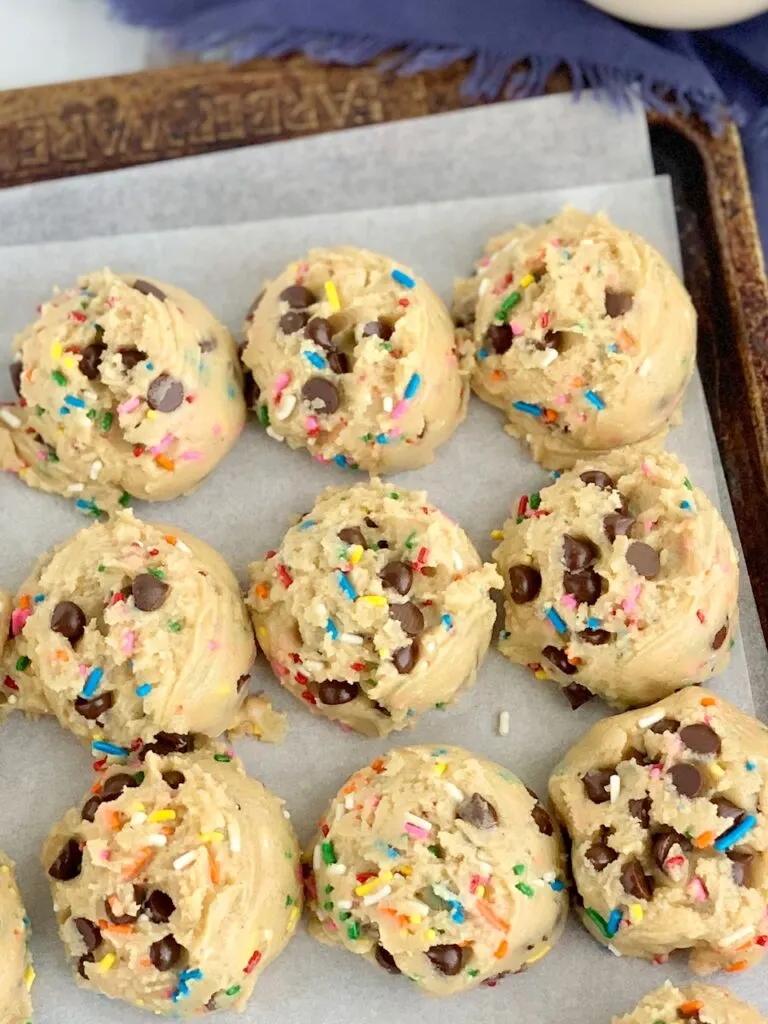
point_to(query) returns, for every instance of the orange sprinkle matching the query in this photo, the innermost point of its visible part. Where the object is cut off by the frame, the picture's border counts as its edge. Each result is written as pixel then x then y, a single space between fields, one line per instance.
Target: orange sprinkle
pixel 165 463
pixel 626 339
pixel 491 916
pixel 145 962
pixel 577 382
pixel 501 949
pixel 497 375
pixel 170 539
pixel 705 839
pixel 262 590
pixel 740 965
pixel 214 869
pixel 377 765
pixel 350 787
pixel 135 868
pixel 24 601
pixel 115 821
pixel 403 920
pixel 61 655
pixel 550 415
pixel 688 1009
pixel 97 787
pixel 708 702
pixel 117 929
pixel 388 911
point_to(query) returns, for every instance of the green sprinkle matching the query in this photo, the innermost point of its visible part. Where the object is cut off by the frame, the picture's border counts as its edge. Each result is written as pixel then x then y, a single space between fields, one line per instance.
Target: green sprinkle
pixel 263 415
pixel 599 921
pixel 344 915
pixel 436 851
pixel 289 901
pixel 157 573
pixel 509 303
pixel 328 890
pixel 232 991
pixel 535 500
pixel 688 484
pixel 353 931
pixel 106 421
pixel 287 854
pixel 328 905
pixel 139 777
pixel 367 438
pixel 519 869
pixel 101 568
pixel 125 499
pixel 329 854
pixel 526 890
pixel 59 377
pixel 40 410
pixel 519 520
pixel 174 626
pixel 440 705
pixel 473 972
pixel 386 345
pixel 395 495
pixel 22 663
pixel 410 541
pixel 91 414
pixel 51 456
pixel 223 758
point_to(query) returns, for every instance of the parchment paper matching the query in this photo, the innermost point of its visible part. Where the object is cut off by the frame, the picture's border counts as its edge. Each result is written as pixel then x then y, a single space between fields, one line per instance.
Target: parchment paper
pixel 243 509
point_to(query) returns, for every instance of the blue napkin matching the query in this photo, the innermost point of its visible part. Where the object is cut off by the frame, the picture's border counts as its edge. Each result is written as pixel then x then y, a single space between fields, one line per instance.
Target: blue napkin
pixel 711 74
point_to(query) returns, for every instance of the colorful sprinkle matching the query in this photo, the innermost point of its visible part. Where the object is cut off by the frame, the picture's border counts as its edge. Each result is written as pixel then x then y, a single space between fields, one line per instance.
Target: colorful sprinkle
pixel 403 279
pixel 332 629
pixel 529 407
pixel 613 922
pixel 447 622
pixel 412 386
pixel 333 296
pixel 144 690
pixel 525 889
pixel 599 921
pixel 594 399
pixel 345 586
pixel 735 834
pixel 59 377
pixel 74 401
pixel 101 747
pixel 92 682
pixel 559 623
pixel 509 303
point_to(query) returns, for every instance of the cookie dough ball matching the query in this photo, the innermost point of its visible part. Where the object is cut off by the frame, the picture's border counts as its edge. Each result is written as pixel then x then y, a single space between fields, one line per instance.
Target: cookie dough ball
pixel 705 1003
pixel 175 884
pixel 17 974
pixel 583 334
pixel 439 865
pixel 621 580
pixel 375 608
pixel 665 807
pixel 355 359
pixel 128 630
pixel 127 387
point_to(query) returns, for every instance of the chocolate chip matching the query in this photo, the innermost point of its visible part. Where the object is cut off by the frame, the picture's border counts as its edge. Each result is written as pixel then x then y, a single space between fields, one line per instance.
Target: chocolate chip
pixel 596 637
pixel 596 784
pixel 254 306
pixel 131 356
pixel 552 339
pixel 542 819
pixel 617 303
pixel 559 659
pixel 149 593
pixel 598 478
pixel 89 958
pixel 371 523
pixel 68 863
pixel 640 809
pixel 741 861
pixel 600 855
pixel 96 706
pixel 69 620
pixel 116 784
pixel 293 321
pixel 165 953
pixel 16 369
pixel 382 544
pixel 719 638
pixel 337 691
pixel 90 359
pixel 320 331
pixel 147 288
pixel 90 933
pixel 633 754
pixel 115 918
pixel 378 329
pixel 165 393
pixel 397 576
pixel 477 811
pixel 385 959
pixel 380 708
pixel 664 725
pixel 159 906
pixel 173 779
pixel 617 524
pixel 635 881
pixel 409 616
pixel 687 779
pixel 585 586
pixel 644 559
pixel 577 695
pixel 663 842
pixel 322 394
pixel 446 959
pixel 498 337
pixel 298 297
pixel 700 738
pixel 726 808
pixel 169 743
pixel 90 807
pixel 251 390
pixel 524 583
pixel 338 362
pixel 579 553
pixel 242 682
pixel 404 658
pixel 208 345
pixel 352 535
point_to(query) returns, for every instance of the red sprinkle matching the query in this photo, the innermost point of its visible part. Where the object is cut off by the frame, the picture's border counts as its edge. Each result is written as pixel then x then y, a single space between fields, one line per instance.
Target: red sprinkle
pixel 358 666
pixel 253 963
pixel 154 551
pixel 77 315
pixel 301 679
pixel 544 320
pixel 522 505
pixel 295 657
pixel 284 576
pixel 325 830
pixel 100 765
pixel 701 616
pixel 138 450
pixel 309 697
pixel 761 940
pixel 270 554
pixel 118 597
pixel 10 684
pixel 421 557
pixel 403 302
pixel 364 876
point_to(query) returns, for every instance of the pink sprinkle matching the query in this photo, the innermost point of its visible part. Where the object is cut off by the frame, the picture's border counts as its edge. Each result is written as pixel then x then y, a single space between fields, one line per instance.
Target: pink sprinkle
pixel 414 831
pixel 629 603
pixel 516 327
pixel 561 400
pixel 282 380
pixel 41 456
pixel 83 670
pixel 485 261
pixel 698 890
pixel 213 645
pixel 657 770
pixel 128 641
pixel 217 429
pixel 394 434
pixel 105 855
pixel 331 925
pixel 129 406
pixel 313 427
pixel 674 862
pixel 399 409
pixel 278 669
pixel 191 456
pixel 166 442
pixel 646 467
pixel 19 617
pixel 569 601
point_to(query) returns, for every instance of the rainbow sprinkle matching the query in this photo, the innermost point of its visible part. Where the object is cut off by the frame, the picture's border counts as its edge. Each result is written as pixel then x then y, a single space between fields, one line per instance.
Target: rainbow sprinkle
pixel 735 834
pixel 333 296
pixel 594 399
pixel 92 682
pixel 101 747
pixel 143 690
pixel 403 279
pixel 412 386
pixel 317 361
pixel 529 407
pixel 332 629
pixel 345 586
pixel 559 624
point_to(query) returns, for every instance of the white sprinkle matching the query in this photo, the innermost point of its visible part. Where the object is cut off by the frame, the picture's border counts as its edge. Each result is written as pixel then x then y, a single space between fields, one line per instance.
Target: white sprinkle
pixel 317 857
pixel 387 403
pixel 485 284
pixel 613 949
pixel 415 907
pixel 12 698
pixel 420 822
pixel 314 666
pixel 548 876
pixel 183 547
pixel 273 435
pixel 234 836
pixel 652 719
pixel 614 788
pixel 374 897
pixel 338 814
pixel 458 561
pixel 486 870
pixel 454 791
pixel 90 396
pixel 349 801
pixel 503 723
pixel 336 869
pixel 737 936
pixel 157 839
pixel 138 818
pixel 286 407
pixel 549 356
pixel 321 610
pixel 430 646
pixel 344 904
pixel 351 638
pixel 8 417
pixel 644 368
pixel 96 468
pixel 286 814
pixel 76 488
pixel 184 860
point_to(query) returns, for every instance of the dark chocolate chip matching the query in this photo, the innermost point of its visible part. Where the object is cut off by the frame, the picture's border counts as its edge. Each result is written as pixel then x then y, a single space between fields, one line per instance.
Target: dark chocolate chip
pixel 663 842
pixel 251 390
pixel 524 583
pixel 499 338
pixel 131 356
pixel 69 620
pixel 579 553
pixel 90 359
pixel 147 288
pixel 254 306
pixel 320 331
pixel 719 638
pixel 68 863
pixel 397 576
pixel 640 809
pixel 173 778
pixel 664 725
pixel 577 695
pixel 337 691
pixel 166 953
pixel 96 706
pixel 644 559
pixel 727 809
pixel 687 779
pixel 338 362
pixel 380 708
pixel 322 394
pixel 446 959
pixel 170 743
pixel 16 369
pixel 633 754
pixel 208 345
pixel 385 959
pixel 293 321
pixel 138 896
pixel 741 861
pixel 378 329
pixel 409 616
pixel 149 593
pixel 700 738
pixel 617 524
pixel 600 855
pixel 542 819
pixel 165 393
pixel 617 303
pixel 90 807
pixel 382 544
pixel 298 297
pixel 596 784
pixel 404 658
pixel 598 478
pixel 352 535
pixel 585 586
pixel 159 906
pixel 371 523
pixel 596 637
pixel 89 958
pixel 559 659
pixel 90 933
pixel 635 881
pixel 477 811
pixel 552 339
pixel 115 785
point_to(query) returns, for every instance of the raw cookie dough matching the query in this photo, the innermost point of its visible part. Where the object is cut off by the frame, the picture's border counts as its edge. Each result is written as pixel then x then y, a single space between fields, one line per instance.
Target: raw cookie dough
pixel 702 1003
pixel 128 387
pixel 665 807
pixel 439 865
pixel 375 608
pixel 621 580
pixel 16 972
pixel 127 630
pixel 583 333
pixel 354 358
pixel 175 884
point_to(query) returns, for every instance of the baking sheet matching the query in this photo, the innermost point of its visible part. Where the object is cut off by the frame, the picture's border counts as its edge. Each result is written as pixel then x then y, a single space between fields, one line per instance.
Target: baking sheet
pixel 242 509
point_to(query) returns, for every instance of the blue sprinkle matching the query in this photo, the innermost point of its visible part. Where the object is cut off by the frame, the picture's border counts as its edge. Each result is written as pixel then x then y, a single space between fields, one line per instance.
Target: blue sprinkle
pixel 144 689
pixel 340 460
pixel 556 621
pixel 382 439
pixel 345 586
pixel 595 399
pixel 556 474
pixel 109 748
pixel 317 361
pixel 82 503
pixel 482 353
pixel 613 922
pixel 504 634
pixel 412 386
pixel 735 834
pixel 613 348
pixel 150 366
pixel 332 629
pixel 392 852
pixel 593 623
pixel 447 621
pixel 181 992
pixel 750 766
pixel 557 885
pixel 231 392
pixel 92 682
pixel 307 523
pixel 685 505
pixel 457 911
pixel 63 411
pixel 195 974
pixel 403 279
pixel 532 410
pixel 39 598
pixel 74 401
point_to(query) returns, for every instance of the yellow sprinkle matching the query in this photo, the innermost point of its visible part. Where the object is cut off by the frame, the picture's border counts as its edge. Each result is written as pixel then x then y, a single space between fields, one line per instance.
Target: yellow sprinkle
pixel 166 815
pixel 537 956
pixel 151 414
pixel 107 962
pixel 29 977
pixel 211 837
pixel 375 600
pixel 138 807
pixel 261 635
pixel 526 282
pixel 294 917
pixel 480 891
pixel 355 553
pixel 68 362
pixel 405 870
pixel 497 535
pixel 440 768
pixel 56 350
pixel 333 296
pixel 716 770
pixel 540 674
pixel 431 934
pixel 636 913
pixel 383 653
pixel 415 918
pixel 373 883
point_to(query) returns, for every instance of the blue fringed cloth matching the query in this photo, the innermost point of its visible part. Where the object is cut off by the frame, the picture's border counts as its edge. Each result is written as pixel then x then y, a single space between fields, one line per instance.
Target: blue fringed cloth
pixel 711 74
